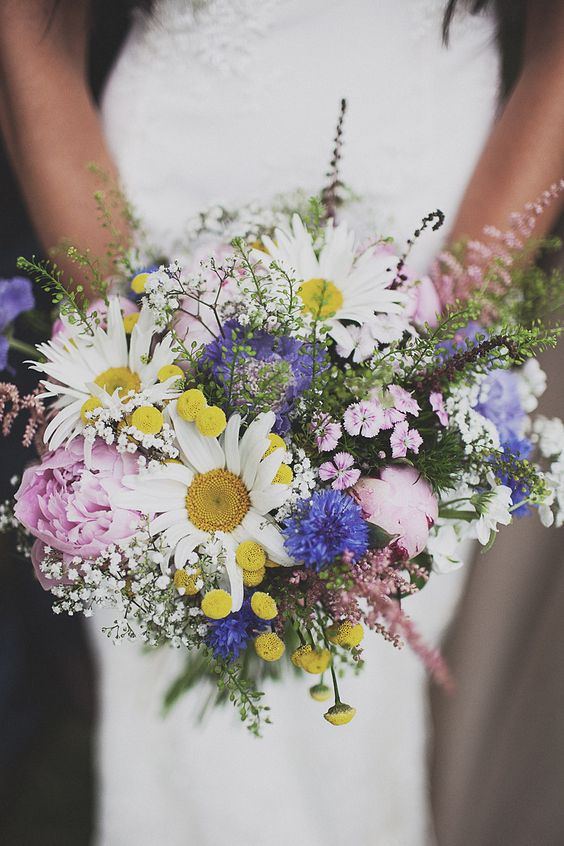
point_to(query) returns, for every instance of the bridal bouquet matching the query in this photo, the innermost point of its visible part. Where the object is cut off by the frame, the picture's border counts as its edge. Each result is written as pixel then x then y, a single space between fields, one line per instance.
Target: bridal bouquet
pixel 267 452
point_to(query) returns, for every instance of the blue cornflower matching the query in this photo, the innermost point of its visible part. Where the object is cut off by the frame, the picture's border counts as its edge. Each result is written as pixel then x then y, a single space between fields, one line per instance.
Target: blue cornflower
pixel 323 527
pixel 229 637
pixel 519 449
pixel 279 366
pixel 15 297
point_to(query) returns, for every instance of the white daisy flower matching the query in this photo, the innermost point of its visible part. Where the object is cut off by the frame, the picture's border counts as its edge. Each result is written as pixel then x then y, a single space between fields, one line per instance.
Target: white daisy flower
pixel 83 368
pixel 223 488
pixel 338 283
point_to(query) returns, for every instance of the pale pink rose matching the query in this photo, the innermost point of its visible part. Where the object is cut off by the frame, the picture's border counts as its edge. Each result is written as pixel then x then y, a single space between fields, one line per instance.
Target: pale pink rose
pixel 402 503
pixel 100 307
pixel 67 505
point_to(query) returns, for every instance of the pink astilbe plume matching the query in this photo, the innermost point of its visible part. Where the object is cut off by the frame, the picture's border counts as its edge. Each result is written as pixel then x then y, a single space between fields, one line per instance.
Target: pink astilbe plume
pixel 377 584
pixel 491 258
pixel 12 405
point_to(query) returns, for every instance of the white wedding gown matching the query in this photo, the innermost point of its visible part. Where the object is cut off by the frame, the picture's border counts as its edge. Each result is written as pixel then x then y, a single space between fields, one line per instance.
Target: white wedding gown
pixel 219 101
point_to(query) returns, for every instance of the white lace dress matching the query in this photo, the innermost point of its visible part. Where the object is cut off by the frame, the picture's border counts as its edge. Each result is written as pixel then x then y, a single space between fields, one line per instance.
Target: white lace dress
pixel 230 101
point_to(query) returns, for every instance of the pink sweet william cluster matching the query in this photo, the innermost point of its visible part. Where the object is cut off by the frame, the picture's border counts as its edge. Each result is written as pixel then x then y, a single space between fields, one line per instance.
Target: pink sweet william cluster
pixel 67 504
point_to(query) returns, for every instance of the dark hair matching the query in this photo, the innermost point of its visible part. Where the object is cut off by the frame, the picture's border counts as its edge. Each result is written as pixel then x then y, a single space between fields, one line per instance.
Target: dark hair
pixel 511 19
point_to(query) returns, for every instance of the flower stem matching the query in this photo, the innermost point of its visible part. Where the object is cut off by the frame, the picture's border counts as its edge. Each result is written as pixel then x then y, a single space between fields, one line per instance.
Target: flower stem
pixel 335 685
pixel 23 347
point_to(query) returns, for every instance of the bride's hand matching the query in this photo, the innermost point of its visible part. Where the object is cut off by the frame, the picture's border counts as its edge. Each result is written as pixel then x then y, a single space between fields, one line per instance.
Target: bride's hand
pixel 49 122
pixel 525 150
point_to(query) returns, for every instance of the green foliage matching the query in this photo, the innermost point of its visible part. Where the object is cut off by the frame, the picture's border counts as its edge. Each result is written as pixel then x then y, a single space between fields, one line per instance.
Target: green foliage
pixel 441 462
pixel 72 301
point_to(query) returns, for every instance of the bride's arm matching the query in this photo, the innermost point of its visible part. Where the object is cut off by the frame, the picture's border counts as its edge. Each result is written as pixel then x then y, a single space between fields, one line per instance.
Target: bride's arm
pixel 525 151
pixel 49 122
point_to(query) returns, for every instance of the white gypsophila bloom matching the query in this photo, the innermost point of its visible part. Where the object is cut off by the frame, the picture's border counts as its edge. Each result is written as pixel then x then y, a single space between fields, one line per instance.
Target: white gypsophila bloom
pixel 476 431
pixel 548 433
pixel 531 385
pixel 352 286
pixel 221 490
pixel 495 511
pixel 100 366
pixel 304 481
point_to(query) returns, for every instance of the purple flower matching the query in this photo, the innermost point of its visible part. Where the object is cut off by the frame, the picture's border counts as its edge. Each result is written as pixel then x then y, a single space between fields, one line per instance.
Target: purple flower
pixel 324 527
pixel 284 365
pixel 229 636
pixel 15 297
pixel 364 418
pixel 403 439
pixel 340 470
pixel 502 404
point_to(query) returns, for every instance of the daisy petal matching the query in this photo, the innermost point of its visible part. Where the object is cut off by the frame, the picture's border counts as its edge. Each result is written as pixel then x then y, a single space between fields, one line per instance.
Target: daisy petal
pixel 261 530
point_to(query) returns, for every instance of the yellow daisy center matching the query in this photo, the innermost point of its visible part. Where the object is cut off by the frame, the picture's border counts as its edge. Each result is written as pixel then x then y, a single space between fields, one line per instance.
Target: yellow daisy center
pixel 217 501
pixel 88 406
pixel 121 379
pixel 320 297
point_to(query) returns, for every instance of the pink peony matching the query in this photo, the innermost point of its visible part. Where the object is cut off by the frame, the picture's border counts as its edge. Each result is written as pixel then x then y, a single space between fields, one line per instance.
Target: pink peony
pixel 66 505
pixel 402 503
pixel 424 303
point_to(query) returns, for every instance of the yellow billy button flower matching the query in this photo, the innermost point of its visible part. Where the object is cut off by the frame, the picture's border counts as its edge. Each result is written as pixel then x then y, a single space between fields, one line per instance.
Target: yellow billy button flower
pixel 269 646
pixel 187 582
pixel 88 406
pixel 169 370
pixel 299 653
pixel 211 421
pixel 284 475
pixel 138 283
pixel 217 604
pixel 271 565
pixel 346 633
pixel 250 555
pixel 340 714
pixel 147 419
pixel 320 692
pixel 189 403
pixel 263 605
pixel 316 661
pixel 276 442
pixel 252 578
pixel 129 322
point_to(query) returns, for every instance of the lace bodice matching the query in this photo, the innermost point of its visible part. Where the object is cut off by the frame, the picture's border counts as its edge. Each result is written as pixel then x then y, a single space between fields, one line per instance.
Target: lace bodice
pixel 233 100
